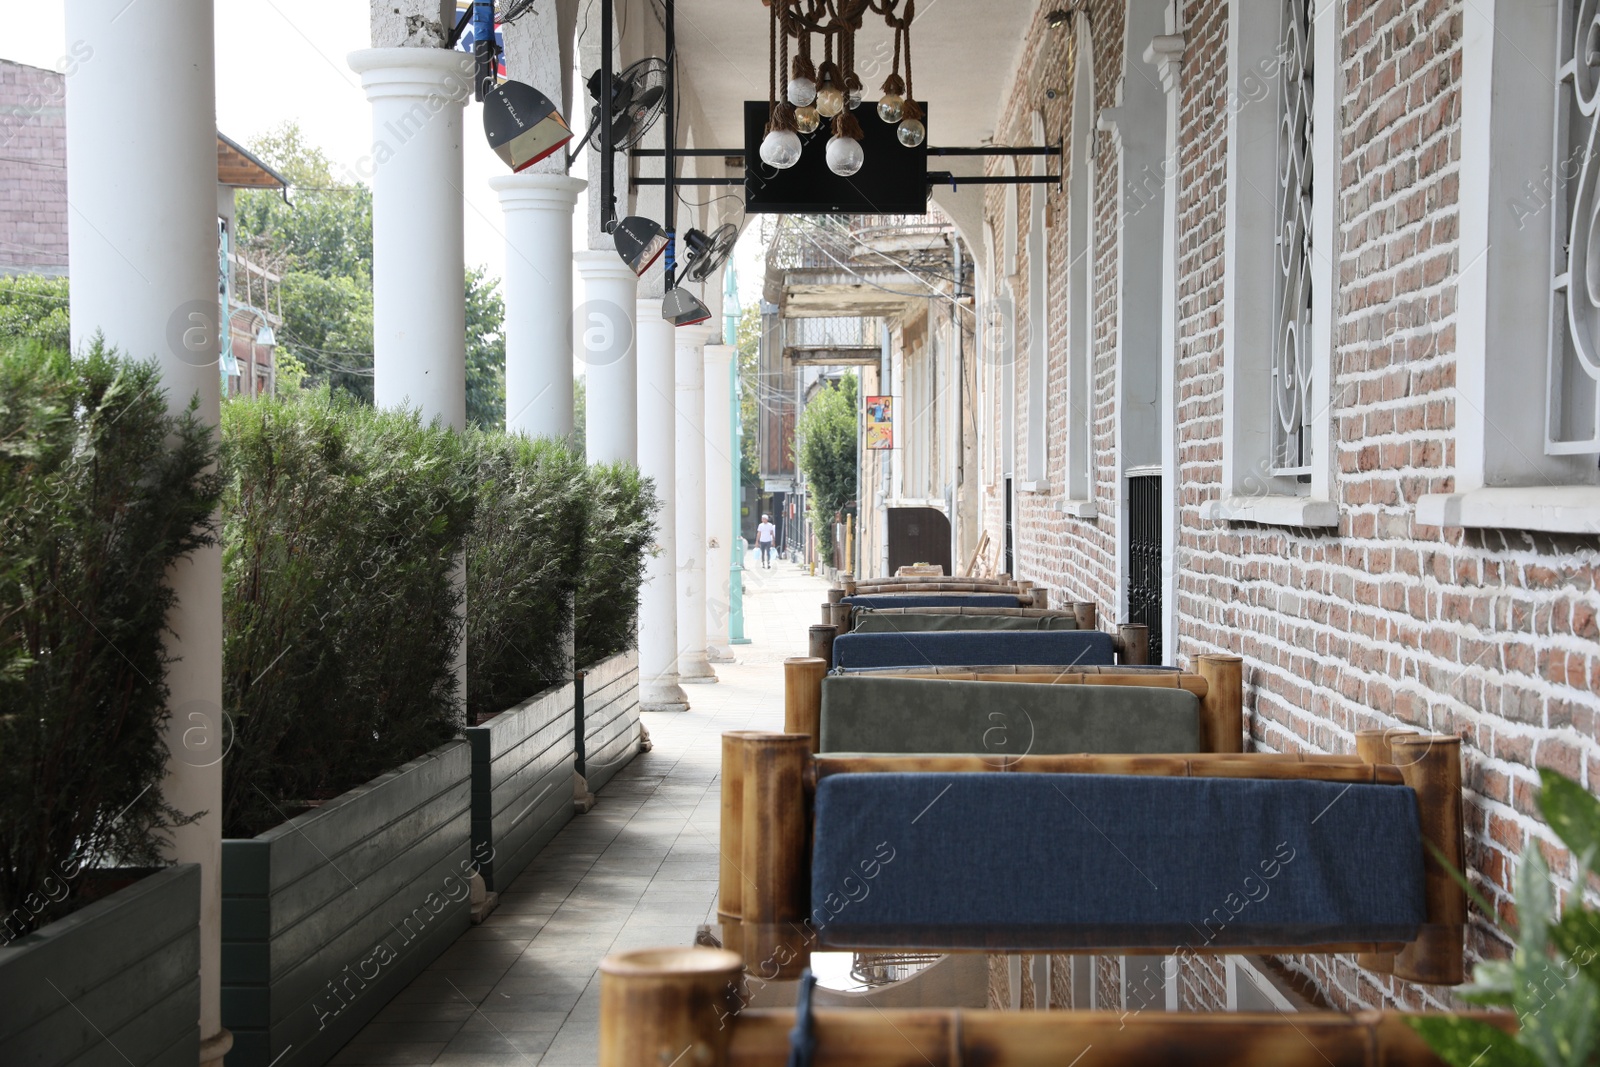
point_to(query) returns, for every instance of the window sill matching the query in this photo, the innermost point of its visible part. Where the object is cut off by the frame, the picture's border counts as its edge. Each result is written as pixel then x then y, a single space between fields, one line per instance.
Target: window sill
pixel 1550 508
pixel 1299 511
pixel 1080 509
pixel 1033 487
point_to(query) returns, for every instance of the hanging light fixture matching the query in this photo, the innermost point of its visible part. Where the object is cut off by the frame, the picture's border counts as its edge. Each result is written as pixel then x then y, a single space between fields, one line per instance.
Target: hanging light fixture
pixel 522 125
pixel 682 308
pixel 640 242
pixel 832 90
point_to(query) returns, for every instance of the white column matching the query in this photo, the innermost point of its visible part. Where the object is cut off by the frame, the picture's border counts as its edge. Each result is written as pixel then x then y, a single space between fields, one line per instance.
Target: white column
pixel 418 292
pixel 605 328
pixel 689 401
pixel 538 296
pixel 658 600
pixel 720 534
pixel 142 236
pixel 419 318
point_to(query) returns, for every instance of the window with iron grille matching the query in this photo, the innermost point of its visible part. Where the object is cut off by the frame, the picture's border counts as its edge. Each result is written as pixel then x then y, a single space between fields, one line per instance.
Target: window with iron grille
pixel 1292 377
pixel 1144 556
pixel 1572 386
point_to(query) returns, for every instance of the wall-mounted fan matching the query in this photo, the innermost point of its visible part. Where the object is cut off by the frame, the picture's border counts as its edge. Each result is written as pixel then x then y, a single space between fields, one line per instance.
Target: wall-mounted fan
pixel 638 93
pixel 704 254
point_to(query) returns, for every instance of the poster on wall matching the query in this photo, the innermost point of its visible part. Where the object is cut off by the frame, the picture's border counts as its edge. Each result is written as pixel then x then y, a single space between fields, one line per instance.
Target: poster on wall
pixel 880 422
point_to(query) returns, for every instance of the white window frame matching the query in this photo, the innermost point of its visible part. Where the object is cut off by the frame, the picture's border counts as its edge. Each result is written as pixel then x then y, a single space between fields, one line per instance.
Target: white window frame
pixel 1250 492
pixel 1506 476
pixel 1077 482
pixel 1038 246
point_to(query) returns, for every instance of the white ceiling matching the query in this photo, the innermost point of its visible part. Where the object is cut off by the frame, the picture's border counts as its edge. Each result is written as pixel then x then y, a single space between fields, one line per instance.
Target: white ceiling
pixel 964 53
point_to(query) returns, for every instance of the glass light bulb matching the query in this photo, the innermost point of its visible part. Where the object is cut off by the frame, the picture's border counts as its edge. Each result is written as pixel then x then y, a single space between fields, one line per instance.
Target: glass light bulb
pixel 830 100
pixel 806 119
pixel 781 149
pixel 890 107
pixel 852 99
pixel 845 156
pixel 911 133
pixel 801 91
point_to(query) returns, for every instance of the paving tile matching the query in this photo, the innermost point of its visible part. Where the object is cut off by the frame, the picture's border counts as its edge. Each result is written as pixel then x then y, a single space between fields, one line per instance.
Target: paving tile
pixel 402 1052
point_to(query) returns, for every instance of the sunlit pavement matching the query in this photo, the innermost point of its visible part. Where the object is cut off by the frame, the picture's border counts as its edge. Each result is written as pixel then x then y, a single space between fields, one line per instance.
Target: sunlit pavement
pixel 639 870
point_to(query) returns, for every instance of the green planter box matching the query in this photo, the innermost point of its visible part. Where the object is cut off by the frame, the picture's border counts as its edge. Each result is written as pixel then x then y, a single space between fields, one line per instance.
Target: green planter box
pixel 522 763
pixel 328 916
pixel 608 711
pixel 114 983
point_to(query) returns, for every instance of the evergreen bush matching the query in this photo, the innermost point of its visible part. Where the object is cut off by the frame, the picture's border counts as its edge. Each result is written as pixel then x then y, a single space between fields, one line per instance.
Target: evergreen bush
pixel 619 529
pixel 342 527
pixel 523 563
pixel 825 449
pixel 102 490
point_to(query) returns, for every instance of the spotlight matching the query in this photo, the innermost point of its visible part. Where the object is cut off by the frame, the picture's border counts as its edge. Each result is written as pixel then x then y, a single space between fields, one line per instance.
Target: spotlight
pixel 681 308
pixel 522 125
pixel 639 242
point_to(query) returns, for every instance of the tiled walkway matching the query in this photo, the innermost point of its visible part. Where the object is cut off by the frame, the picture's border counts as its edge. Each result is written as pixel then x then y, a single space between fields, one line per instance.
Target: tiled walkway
pixel 639 870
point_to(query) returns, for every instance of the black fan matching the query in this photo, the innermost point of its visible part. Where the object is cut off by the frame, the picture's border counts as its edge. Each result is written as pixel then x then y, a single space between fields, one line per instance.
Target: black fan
pixel 705 254
pixel 638 94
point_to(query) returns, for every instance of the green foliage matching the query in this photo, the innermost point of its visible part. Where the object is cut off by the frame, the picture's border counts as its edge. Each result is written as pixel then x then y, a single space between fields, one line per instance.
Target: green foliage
pixel 748 339
pixel 580 416
pixel 825 450
pixel 523 564
pixel 327 328
pixel 342 527
pixel 1551 980
pixel 326 230
pixel 101 492
pixel 620 527
pixel 34 308
pixel 486 352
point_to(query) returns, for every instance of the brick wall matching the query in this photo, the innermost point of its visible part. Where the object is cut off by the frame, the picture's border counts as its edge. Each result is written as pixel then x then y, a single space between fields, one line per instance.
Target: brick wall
pixel 1486 635
pixel 33 174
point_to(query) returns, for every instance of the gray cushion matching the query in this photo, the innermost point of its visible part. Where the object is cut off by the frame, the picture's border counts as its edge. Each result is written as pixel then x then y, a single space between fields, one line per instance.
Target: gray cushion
pixel 1061 648
pixel 1010 860
pixel 869 621
pixel 861 713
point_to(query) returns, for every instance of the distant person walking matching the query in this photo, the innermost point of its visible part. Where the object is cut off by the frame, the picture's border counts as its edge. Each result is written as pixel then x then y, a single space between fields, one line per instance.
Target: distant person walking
pixel 765 532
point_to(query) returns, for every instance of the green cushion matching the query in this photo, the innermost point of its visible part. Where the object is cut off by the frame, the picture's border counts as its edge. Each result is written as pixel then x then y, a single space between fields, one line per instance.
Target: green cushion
pixel 864 713
pixel 869 621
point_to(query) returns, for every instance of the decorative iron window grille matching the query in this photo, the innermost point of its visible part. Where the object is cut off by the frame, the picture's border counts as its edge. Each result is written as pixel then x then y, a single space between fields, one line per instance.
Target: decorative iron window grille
pixel 1144 556
pixel 1292 395
pixel 1572 381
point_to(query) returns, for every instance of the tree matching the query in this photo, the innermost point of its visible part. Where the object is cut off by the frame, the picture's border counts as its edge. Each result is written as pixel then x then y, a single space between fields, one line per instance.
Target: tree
pixel 486 352
pixel 748 340
pixel 825 450
pixel 34 308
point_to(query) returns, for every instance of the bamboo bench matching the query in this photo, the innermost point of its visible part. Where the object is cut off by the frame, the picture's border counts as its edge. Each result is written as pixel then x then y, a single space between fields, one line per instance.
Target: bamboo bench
pixel 1393 807
pixel 847 712
pixel 682 1005
pixel 932 648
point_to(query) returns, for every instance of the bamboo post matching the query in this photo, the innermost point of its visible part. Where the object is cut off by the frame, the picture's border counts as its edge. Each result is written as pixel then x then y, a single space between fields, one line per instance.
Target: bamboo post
pixel 847 585
pixel 841 618
pixel 802 696
pixel 836 594
pixel 1083 611
pixel 730 869
pixel 827 613
pixel 1373 748
pixel 667 1005
pixel 1135 643
pixel 820 645
pixel 776 818
pixel 1041 597
pixel 1431 765
pixel 1222 710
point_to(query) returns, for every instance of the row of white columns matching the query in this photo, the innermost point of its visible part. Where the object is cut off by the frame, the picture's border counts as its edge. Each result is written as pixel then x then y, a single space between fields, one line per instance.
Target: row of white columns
pixel 142 239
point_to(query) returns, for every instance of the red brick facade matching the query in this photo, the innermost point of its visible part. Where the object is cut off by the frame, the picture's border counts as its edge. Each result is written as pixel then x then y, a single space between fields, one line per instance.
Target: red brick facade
pixel 1380 621
pixel 33 173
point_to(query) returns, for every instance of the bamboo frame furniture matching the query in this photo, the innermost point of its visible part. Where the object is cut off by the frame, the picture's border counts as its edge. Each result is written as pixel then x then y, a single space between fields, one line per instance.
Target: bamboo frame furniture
pixel 1218 683
pixel 769 780
pixel 682 1006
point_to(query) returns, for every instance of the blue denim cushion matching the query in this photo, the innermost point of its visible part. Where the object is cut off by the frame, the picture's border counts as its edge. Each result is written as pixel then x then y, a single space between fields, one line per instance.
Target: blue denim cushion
pixel 1012 860
pixel 932 600
pixel 974 648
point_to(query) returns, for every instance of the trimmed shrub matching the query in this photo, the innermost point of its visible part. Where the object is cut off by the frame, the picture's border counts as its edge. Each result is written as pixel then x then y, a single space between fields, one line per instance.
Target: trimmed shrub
pixel 342 526
pixel 102 490
pixel 619 528
pixel 523 563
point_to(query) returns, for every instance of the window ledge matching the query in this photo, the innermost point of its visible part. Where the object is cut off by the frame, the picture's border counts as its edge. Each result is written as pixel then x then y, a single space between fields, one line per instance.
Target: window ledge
pixel 1080 509
pixel 1033 487
pixel 1301 511
pixel 1550 508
